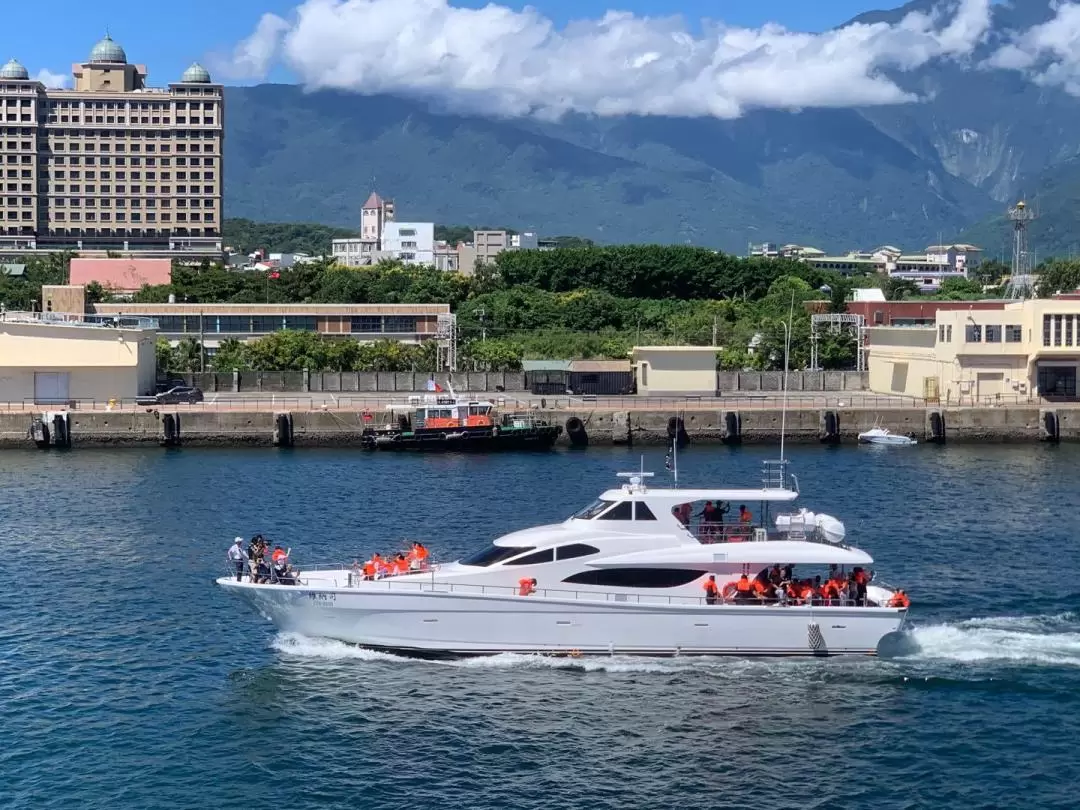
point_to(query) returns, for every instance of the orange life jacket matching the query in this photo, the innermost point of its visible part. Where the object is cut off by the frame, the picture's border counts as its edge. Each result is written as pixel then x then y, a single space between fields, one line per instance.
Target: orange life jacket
pixel 710 587
pixel 743 585
pixel 369 569
pixel 525 586
pixel 401 565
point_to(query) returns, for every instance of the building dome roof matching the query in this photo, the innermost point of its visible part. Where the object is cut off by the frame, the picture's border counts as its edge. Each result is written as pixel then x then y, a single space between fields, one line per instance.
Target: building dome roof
pixel 13 70
pixel 108 51
pixel 196 73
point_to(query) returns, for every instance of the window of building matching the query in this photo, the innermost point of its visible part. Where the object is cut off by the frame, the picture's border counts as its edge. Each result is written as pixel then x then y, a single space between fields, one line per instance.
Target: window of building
pixel 1057 381
pixel 993 333
pixel 536 558
pixel 1013 334
pixel 399 324
pixel 1057 330
pixel 1069 329
pixel 1046 329
pixel 494 554
pixel 973 333
pixel 266 323
pixel 302 322
pixel 366 323
pixel 635 577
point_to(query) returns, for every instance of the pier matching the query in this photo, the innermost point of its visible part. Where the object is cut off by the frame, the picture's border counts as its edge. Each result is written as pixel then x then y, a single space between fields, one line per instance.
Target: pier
pixel 304 421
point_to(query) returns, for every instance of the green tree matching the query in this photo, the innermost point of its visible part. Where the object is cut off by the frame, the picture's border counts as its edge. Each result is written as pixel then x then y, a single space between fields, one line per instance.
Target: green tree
pixel 231 355
pixel 959 289
pixel 897 289
pixel 1057 276
pixel 188 356
pixel 989 273
pixel 165 355
pixel 494 355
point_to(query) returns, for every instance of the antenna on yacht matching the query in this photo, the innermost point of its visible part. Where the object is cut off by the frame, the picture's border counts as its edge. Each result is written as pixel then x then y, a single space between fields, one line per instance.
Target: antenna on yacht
pixel 787 358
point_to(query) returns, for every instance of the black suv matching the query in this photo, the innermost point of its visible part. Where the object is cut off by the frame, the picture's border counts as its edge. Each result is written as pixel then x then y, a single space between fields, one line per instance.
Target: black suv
pixel 177 395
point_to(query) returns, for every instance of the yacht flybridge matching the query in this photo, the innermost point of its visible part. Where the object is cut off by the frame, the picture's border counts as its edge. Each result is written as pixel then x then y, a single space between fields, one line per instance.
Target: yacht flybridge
pixel 632 573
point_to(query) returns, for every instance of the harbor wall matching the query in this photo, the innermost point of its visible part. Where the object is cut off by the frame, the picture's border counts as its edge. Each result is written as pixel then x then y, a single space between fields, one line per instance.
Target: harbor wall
pixel 342 428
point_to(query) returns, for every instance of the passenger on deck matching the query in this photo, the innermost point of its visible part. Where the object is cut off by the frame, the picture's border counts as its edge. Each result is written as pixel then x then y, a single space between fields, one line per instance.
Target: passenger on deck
pixel 401 564
pixel 746 517
pixel 418 556
pixel 712 592
pixel 776 576
pixel 861 581
pixel 744 592
pixel 382 569
pixel 236 557
pixel 682 513
pixel 369 569
pixel 526 586
pixel 817 595
pixel 900 599
pixel 255 551
pixel 709 518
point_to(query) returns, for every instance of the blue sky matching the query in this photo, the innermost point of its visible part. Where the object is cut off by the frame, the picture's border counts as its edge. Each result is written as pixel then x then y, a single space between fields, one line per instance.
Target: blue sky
pixel 167 37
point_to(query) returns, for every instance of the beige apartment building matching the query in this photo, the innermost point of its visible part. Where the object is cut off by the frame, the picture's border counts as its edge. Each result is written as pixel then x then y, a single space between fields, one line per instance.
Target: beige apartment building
pixel 112 164
pixel 985 356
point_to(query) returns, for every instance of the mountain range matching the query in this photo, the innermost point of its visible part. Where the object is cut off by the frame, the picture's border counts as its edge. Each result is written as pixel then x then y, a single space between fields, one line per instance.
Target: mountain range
pixel 942 168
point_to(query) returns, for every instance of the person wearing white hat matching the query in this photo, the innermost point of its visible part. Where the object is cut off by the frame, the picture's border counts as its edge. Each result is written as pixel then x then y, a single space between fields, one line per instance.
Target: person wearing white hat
pixel 236 557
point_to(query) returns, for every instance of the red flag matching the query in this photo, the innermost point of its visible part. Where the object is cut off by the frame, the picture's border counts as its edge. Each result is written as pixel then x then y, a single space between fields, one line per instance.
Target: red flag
pixel 275 274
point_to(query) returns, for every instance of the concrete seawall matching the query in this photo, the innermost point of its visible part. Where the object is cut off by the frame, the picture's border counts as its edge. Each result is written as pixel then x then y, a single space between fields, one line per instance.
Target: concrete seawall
pixel 341 428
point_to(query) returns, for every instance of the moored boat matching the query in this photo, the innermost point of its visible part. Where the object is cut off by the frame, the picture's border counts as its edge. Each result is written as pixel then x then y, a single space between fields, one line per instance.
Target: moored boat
pixel 880 435
pixel 628 574
pixel 446 422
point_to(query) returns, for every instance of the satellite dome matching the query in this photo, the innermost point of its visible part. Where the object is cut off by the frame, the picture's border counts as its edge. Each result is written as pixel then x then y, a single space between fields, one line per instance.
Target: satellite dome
pixel 108 51
pixel 196 74
pixel 13 70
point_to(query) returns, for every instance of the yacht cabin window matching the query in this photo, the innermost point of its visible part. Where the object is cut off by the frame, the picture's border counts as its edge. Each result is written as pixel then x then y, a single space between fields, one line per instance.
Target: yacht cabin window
pixel 642 511
pixel 635 577
pixel 495 554
pixel 592 510
pixel 623 510
pixel 545 555
pixel 573 550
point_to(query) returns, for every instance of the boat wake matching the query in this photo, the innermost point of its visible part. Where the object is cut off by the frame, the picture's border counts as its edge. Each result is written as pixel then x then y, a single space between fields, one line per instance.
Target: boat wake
pixel 1050 640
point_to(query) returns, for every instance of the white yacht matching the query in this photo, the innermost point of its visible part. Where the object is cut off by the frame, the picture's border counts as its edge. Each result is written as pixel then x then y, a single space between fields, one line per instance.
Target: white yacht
pixel 625 575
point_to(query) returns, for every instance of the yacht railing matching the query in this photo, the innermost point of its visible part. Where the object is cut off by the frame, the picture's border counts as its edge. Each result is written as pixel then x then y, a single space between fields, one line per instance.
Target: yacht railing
pixel 414 584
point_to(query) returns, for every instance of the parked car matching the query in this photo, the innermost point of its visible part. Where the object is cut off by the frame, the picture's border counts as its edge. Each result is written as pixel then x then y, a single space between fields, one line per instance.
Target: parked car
pixel 178 395
pixel 168 385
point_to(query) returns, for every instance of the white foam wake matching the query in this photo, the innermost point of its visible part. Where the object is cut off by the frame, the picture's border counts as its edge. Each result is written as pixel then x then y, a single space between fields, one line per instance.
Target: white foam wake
pixel 300 646
pixel 1021 639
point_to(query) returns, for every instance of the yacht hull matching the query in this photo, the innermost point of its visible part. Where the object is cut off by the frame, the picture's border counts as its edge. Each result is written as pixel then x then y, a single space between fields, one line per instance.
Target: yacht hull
pixel 430 623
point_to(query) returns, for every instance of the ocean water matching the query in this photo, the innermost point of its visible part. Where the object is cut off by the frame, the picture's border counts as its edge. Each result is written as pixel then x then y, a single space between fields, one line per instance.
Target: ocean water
pixel 127 680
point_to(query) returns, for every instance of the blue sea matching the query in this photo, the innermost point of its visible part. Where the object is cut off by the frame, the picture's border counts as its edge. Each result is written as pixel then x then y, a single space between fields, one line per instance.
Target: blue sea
pixel 128 680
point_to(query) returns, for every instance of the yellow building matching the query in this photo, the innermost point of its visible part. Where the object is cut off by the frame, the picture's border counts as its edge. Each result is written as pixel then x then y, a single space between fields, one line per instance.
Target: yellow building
pixel 48 358
pixel 1026 348
pixel 682 370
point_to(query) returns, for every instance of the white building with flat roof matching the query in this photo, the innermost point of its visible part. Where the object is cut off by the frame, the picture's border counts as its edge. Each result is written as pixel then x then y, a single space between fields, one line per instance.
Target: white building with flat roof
pixel 410 242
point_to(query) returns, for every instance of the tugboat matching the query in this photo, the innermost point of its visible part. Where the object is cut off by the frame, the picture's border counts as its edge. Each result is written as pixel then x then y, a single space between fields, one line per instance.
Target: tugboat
pixel 441 422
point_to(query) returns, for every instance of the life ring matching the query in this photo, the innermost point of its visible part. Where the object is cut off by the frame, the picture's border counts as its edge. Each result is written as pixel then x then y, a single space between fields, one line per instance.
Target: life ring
pixel 575 653
pixel 730 591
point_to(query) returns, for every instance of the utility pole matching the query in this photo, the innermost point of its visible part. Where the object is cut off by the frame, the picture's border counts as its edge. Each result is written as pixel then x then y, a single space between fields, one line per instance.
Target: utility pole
pixel 202 341
pixel 482 314
pixel 714 327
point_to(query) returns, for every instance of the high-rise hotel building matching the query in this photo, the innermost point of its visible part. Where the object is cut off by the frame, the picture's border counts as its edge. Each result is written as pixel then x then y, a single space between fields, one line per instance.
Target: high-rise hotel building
pixel 112 164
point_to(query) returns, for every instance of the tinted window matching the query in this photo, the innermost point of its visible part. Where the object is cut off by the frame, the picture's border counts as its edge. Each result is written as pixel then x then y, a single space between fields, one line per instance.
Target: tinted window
pixel 494 554
pixel 592 510
pixel 575 550
pixel 621 511
pixel 643 512
pixel 635 577
pixel 545 556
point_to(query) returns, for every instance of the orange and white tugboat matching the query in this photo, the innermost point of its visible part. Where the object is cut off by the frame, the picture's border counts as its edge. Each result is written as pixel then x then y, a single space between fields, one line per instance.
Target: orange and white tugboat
pixel 445 421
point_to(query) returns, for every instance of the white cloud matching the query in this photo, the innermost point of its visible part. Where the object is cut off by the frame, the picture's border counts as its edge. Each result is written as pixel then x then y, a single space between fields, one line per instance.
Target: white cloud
pixel 50 79
pixel 1049 53
pixel 506 62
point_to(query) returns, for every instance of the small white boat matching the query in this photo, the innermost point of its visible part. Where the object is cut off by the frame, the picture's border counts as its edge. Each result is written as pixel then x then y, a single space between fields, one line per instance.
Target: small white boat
pixel 880 435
